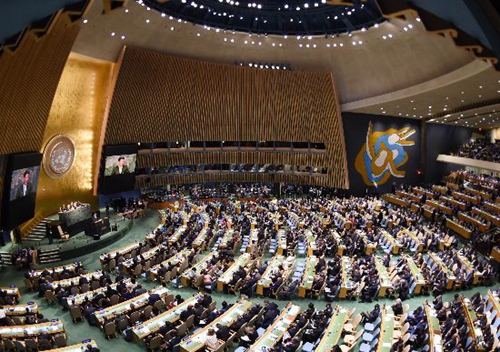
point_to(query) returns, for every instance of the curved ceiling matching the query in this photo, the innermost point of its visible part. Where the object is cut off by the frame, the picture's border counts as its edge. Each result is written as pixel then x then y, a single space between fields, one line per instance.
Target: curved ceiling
pixel 395 68
pixel 292 17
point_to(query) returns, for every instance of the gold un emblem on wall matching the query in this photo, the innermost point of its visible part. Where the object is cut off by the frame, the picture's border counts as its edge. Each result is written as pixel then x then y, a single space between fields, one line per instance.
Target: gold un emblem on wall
pixel 58 156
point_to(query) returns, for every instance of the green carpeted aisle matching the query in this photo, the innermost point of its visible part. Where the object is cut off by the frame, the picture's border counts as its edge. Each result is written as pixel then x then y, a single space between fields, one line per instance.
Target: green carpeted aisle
pixel 141 226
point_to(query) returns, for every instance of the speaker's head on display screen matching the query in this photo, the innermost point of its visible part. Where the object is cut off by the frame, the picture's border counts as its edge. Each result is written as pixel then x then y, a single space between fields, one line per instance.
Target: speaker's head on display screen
pixel 24 182
pixel 20 189
pixel 118 168
pixel 120 164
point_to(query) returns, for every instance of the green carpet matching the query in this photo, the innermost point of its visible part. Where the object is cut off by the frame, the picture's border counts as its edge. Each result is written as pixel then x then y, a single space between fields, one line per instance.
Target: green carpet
pixel 81 331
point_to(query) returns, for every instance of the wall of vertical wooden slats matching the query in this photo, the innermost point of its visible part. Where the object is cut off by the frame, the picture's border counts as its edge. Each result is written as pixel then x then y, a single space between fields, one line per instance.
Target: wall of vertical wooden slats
pixel 28 81
pixel 165 98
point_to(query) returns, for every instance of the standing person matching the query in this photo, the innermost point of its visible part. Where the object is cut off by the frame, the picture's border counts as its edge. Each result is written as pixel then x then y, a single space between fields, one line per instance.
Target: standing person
pixel 48 233
pixel 34 256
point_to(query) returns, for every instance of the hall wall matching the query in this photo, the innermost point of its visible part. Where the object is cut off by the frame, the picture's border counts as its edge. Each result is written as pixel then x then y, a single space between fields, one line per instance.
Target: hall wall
pixel 161 98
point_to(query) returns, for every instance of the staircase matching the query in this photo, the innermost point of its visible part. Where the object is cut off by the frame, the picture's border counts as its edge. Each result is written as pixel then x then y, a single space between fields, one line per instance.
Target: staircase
pixel 49 256
pixel 37 234
pixel 5 259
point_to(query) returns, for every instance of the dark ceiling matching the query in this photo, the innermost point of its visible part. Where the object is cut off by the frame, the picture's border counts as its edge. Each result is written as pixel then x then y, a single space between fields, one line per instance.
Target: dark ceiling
pixel 290 17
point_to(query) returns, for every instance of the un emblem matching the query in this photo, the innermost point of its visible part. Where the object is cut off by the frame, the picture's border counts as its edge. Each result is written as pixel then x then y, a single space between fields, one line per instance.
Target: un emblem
pixel 58 156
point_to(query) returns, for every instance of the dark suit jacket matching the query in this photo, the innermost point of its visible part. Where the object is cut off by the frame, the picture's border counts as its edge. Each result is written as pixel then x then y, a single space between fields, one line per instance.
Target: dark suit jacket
pixel 116 171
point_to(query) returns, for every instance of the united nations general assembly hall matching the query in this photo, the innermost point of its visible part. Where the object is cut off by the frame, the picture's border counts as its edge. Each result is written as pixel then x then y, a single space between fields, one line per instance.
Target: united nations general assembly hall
pixel 250 175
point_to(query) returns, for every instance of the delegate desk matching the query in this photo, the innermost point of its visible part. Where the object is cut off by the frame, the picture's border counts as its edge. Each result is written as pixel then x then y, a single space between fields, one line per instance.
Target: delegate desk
pixel 81 297
pixel 174 260
pixel 123 307
pixel 440 189
pixel 129 263
pixel 74 281
pixel 152 325
pixel 411 196
pixel 455 226
pixel 447 271
pixel 20 309
pixel 57 269
pixel 196 341
pixel 386 330
pixel 308 276
pixel 395 245
pixel 196 269
pixel 492 206
pixel 281 243
pixel 265 280
pixel 311 242
pixel 435 339
pixel 76 348
pixel 334 330
pixel 22 331
pixel 470 268
pixel 487 216
pixel 437 205
pixel 392 198
pixel 11 291
pixel 340 243
pixel 120 251
pixel 417 275
pixel 474 332
pixel 495 300
pixel 465 197
pixel 226 277
pixel 177 234
pixel 199 241
pixel 453 202
pixel 383 275
pixel 275 332
pixel 347 284
pixel 482 226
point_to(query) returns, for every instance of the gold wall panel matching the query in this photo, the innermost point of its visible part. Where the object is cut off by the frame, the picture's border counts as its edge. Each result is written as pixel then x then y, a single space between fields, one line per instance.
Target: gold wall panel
pixel 159 97
pixel 28 81
pixel 78 112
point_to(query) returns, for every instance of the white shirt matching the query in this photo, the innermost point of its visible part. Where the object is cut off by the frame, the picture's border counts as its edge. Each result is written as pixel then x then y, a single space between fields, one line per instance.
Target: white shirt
pixel 2 313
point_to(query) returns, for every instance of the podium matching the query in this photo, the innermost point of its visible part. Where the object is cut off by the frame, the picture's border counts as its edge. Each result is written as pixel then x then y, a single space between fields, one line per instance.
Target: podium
pixel 98 228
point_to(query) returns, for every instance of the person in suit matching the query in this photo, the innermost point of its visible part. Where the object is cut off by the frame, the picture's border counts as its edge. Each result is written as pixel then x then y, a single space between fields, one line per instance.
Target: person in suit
pixel 25 187
pixel 121 168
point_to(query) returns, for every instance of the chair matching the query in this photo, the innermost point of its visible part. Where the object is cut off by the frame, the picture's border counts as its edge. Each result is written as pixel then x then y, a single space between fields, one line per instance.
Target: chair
pixel 137 271
pixel 344 348
pixel 64 235
pixel 31 345
pixel 134 317
pixel 159 305
pixel 19 346
pixel 189 321
pixel 168 300
pixel 85 288
pixel 114 299
pixel 122 325
pixel 28 285
pixel 94 285
pixel 211 307
pixel 76 314
pixel 8 345
pixel 61 340
pixel 182 329
pixel 147 311
pixel 351 326
pixel 50 297
pixel 351 340
pixel 110 330
pixel 154 343
pixel 165 279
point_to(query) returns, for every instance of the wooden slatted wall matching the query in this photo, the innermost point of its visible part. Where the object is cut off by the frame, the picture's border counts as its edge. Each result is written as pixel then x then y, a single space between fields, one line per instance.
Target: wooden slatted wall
pixel 28 81
pixel 164 98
